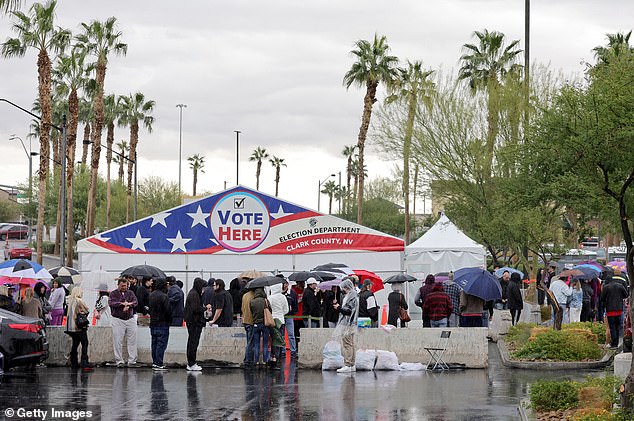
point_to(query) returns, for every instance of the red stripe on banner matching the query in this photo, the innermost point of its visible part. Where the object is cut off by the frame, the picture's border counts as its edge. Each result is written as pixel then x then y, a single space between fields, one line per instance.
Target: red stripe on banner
pixel 294 217
pixel 322 242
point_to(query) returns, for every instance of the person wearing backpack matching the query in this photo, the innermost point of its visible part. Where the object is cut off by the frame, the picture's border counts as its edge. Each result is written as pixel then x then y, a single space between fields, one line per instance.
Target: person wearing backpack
pixel 367 304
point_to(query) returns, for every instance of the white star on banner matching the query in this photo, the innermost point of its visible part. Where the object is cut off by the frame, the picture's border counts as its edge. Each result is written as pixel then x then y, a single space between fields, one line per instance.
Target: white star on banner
pixel 100 238
pixel 179 242
pixel 159 218
pixel 138 242
pixel 199 217
pixel 280 213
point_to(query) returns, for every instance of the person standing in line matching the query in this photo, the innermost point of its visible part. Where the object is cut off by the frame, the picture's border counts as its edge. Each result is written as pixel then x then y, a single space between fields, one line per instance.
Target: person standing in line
pixel 561 292
pixel 347 324
pixel 438 306
pixel 453 291
pixel 502 304
pixel 612 295
pixel 122 302
pixel 312 307
pixel 78 334
pixel 222 306
pixel 576 302
pixel 31 306
pixel 299 323
pixel 330 314
pixel 586 305
pixel 515 302
pixel 279 307
pixel 289 325
pixel 160 319
pixel 143 296
pixel 471 308
pixel 367 304
pixel 195 321
pixel 102 309
pixel 208 293
pixel 56 299
pixel 396 300
pixel 421 294
pixel 176 298
pixel 247 322
pixel 257 304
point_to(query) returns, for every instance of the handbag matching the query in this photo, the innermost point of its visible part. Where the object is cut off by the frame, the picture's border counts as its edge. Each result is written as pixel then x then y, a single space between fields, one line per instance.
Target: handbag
pixel 268 316
pixel 402 313
pixel 81 321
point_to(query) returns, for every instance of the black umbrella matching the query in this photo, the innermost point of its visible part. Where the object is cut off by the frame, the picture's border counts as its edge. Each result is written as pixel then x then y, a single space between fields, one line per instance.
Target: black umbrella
pixel 303 276
pixel 333 267
pixel 327 276
pixel 65 275
pixel 399 278
pixel 264 281
pixel 144 271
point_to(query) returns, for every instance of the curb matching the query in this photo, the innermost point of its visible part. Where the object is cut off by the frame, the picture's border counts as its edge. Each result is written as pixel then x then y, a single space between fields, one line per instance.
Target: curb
pixel 550 365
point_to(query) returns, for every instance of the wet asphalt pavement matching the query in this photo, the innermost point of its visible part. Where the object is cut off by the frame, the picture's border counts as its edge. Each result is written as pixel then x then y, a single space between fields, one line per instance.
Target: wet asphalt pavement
pixel 285 394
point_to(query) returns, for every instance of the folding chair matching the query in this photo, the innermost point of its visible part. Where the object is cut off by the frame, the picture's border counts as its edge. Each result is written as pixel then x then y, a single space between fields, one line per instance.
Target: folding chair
pixel 436 353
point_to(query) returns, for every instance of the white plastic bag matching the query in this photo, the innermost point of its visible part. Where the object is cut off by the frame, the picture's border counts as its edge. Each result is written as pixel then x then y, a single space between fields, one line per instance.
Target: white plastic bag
pixel 386 360
pixel 365 359
pixel 412 366
pixel 333 359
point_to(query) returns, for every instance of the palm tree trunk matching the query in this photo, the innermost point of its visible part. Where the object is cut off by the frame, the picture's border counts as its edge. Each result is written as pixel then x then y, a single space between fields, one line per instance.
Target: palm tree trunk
pixel 415 193
pixel 348 177
pixel 55 140
pixel 44 88
pixel 277 180
pixel 96 146
pixel 407 146
pixel 368 101
pixel 492 121
pixel 121 167
pixel 58 233
pixel 257 175
pixel 134 139
pixel 330 204
pixel 84 151
pixel 195 181
pixel 71 138
pixel 109 143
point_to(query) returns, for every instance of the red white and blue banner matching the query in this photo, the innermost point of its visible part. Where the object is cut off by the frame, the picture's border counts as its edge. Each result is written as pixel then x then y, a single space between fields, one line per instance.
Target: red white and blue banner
pixel 239 221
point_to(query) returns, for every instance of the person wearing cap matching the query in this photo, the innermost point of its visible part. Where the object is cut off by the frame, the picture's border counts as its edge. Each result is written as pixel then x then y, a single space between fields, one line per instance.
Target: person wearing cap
pixel 312 307
pixel 347 324
pixel 367 303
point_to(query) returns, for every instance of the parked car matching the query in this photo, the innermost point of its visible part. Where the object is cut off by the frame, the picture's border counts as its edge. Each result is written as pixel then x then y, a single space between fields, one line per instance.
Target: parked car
pixel 22 340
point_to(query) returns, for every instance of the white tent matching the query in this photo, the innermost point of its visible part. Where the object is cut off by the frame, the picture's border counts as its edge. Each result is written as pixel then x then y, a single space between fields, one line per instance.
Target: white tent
pixel 443 248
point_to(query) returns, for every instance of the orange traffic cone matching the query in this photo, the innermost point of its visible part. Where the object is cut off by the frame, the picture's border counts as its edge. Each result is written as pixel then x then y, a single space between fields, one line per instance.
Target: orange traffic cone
pixel 384 315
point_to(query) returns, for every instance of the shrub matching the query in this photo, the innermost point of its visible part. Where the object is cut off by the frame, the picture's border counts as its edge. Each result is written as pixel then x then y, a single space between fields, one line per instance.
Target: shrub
pixel 518 335
pixel 563 345
pixel 546 312
pixel 596 328
pixel 549 395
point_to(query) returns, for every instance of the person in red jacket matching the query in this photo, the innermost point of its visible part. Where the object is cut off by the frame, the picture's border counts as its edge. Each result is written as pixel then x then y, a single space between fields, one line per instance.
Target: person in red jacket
pixel 438 306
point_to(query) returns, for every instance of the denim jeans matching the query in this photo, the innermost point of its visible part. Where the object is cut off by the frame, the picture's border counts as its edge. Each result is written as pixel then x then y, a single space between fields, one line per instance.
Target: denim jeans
pixel 438 323
pixel 249 354
pixel 261 331
pixel 454 320
pixel 160 336
pixel 290 328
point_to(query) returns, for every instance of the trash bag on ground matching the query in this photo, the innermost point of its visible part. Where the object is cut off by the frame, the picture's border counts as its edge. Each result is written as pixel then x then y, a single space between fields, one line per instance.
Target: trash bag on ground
pixel 412 366
pixel 333 359
pixel 386 360
pixel 365 359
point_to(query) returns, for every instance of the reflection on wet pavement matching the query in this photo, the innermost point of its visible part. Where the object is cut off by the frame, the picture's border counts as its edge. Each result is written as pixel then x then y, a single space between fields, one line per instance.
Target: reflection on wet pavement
pixel 285 394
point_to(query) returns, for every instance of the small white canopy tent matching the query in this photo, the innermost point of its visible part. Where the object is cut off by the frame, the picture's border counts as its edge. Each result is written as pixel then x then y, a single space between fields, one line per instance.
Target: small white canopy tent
pixel 443 248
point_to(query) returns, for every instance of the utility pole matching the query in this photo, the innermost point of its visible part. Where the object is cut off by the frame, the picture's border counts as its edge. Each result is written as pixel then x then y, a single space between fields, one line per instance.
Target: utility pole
pixel 237 156
pixel 180 144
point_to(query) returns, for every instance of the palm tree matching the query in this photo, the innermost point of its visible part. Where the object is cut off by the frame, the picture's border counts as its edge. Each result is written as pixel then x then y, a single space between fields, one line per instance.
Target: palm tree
pixel 112 111
pixel 373 65
pixel 85 116
pixel 257 156
pixel 484 66
pixel 37 31
pixel 413 85
pixel 348 152
pixel 99 39
pixel 277 163
pixel 123 150
pixel 134 109
pixel 196 163
pixel 618 44
pixel 330 188
pixel 8 6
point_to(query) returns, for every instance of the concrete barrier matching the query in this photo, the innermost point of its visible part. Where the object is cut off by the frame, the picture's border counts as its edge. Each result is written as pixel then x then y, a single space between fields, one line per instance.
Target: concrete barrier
pixel 468 346
pixel 622 363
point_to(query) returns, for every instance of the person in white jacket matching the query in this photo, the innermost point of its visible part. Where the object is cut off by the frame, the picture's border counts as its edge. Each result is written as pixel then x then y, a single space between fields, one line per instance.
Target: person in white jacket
pixel 279 308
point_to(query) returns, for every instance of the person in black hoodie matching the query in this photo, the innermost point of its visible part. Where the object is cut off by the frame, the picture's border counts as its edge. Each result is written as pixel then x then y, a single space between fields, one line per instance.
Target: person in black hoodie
pixel 236 296
pixel 177 300
pixel 143 296
pixel 515 301
pixel 160 320
pixel 331 315
pixel 194 318
pixel 367 304
pixel 311 307
pixel 208 293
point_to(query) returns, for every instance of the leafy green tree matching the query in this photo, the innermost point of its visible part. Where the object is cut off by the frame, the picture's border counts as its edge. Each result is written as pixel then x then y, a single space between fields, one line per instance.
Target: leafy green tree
pixel 36 30
pixel 9 210
pixel 257 156
pixel 373 65
pixel 414 87
pixel 99 39
pixel 197 164
pixel 277 163
pixel 484 65
pixel 156 194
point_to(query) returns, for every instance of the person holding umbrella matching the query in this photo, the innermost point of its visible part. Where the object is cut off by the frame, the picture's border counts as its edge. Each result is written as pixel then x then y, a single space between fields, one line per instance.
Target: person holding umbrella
pixel 347 324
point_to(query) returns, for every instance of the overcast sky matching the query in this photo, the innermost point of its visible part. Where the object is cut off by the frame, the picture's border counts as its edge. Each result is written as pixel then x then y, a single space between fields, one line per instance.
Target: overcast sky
pixel 273 70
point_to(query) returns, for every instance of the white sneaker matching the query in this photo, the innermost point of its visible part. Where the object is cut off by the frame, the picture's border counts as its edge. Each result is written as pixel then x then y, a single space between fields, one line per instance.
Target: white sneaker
pixel 194 367
pixel 347 369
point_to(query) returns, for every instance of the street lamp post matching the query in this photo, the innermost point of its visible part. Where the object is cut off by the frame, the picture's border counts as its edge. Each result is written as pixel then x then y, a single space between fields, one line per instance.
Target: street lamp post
pixel 340 193
pixel 237 156
pixel 180 143
pixel 319 190
pixel 29 155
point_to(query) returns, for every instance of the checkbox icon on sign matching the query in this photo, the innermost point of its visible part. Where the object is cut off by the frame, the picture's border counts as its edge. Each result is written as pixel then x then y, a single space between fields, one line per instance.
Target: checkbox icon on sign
pixel 239 203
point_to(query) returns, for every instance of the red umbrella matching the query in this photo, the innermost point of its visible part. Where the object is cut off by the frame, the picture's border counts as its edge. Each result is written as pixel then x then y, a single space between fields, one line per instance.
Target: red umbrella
pixel 21 281
pixel 377 282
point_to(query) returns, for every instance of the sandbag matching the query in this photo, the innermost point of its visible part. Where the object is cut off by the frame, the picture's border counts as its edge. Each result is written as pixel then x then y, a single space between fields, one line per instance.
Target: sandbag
pixel 365 359
pixel 412 366
pixel 386 360
pixel 333 359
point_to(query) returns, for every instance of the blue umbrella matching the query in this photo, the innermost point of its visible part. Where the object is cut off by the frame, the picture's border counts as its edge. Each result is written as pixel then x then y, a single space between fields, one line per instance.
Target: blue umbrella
pixel 501 271
pixel 588 266
pixel 19 268
pixel 478 282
